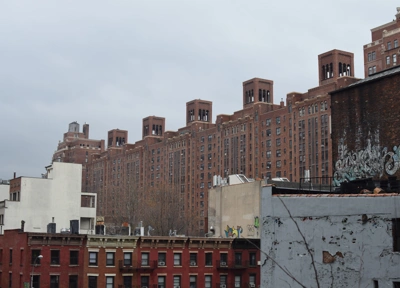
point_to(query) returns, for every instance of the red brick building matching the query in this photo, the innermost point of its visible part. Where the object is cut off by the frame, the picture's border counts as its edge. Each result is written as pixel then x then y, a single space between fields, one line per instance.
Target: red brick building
pixel 383 51
pixel 70 260
pixel 262 140
pixel 60 267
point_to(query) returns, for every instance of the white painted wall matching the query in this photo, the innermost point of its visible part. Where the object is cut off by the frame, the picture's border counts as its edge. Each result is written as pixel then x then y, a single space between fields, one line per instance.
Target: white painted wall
pixel 233 206
pixel 362 252
pixel 41 200
pixel 4 191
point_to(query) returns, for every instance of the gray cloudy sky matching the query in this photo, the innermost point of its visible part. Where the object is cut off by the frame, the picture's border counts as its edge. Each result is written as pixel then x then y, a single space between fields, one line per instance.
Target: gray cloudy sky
pixel 113 63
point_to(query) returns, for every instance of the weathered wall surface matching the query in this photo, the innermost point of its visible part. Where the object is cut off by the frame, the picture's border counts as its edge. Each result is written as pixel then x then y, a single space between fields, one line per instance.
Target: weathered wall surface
pixel 366 129
pixel 349 249
pixel 232 210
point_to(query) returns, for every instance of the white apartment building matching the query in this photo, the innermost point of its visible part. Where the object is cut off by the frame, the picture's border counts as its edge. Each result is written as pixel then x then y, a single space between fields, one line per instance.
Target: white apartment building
pixel 55 198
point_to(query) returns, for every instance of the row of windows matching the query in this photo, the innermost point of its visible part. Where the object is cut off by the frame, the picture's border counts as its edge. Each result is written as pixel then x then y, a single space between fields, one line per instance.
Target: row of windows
pixel 54 281
pixel 394 57
pixel 110 259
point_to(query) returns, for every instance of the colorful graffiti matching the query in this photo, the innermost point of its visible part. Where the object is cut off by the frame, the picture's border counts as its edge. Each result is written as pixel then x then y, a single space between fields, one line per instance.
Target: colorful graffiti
pixel 373 161
pixel 232 232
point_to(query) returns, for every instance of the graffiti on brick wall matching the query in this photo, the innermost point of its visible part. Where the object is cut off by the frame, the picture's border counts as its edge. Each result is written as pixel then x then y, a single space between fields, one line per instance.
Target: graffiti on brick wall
pixel 373 161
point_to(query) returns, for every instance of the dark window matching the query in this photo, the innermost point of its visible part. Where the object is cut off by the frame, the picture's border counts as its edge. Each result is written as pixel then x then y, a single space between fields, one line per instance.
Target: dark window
pixel 92 282
pixel 238 259
pixel 54 281
pixel 208 259
pixel 36 281
pixel 110 258
pixel 127 281
pixel 92 258
pixel 73 257
pixel 73 281
pixel 396 234
pixel 144 281
pixel 35 259
pixel 55 257
pixel 162 259
pixel 193 259
pixel 252 257
pixel 396 284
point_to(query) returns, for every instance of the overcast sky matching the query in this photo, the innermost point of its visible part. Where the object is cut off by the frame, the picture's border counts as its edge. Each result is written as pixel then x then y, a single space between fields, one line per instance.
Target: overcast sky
pixel 113 63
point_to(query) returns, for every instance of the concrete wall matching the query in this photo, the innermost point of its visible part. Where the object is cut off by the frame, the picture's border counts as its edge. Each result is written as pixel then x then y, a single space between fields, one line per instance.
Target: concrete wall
pixel 234 206
pixel 4 191
pixel 41 200
pixel 347 251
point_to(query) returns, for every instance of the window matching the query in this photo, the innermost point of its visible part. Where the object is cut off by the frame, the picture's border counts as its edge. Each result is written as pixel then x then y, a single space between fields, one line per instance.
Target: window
pixel 238 259
pixel 268 132
pixel 223 259
pixel 222 280
pixel 192 281
pixel 389 45
pixel 268 122
pixel 127 258
pixel 54 280
pixel 207 281
pixel 396 43
pixel 55 257
pixel 92 258
pixel 268 143
pixel 92 282
pixel 396 234
pixel 162 259
pixel 161 282
pixel 278 142
pixel 11 256
pixel 269 153
pixel 373 55
pixel 278 120
pixel 278 131
pixel 369 56
pixel 110 259
pixel 394 59
pixel 177 259
pixel 145 259
pixel 73 281
pixel 193 259
pixel 396 284
pixel 36 281
pixel 73 257
pixel 238 281
pixel 127 281
pixel 369 70
pixel 177 281
pixel 268 164
pixel 34 259
pixel 110 282
pixel 252 279
pixel 374 69
pixel 278 153
pixel 252 256
pixel 144 281
pixel 387 60
pixel 209 259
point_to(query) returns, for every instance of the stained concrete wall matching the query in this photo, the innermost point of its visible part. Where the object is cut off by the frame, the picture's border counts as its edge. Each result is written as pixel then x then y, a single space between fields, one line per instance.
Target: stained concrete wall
pixel 348 252
pixel 235 207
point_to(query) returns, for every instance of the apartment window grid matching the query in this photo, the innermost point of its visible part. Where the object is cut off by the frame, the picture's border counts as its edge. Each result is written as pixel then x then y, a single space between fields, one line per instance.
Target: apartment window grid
pixel 193 281
pixel 209 259
pixel 55 257
pixel 73 257
pixel 92 282
pixel 73 281
pixel 145 259
pixel 54 281
pixel 208 281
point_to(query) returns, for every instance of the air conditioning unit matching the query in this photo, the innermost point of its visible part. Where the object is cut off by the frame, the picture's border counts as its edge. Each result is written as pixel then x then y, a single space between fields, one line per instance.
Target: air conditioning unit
pixel 223 263
pixel 161 263
pixel 193 263
pixel 252 285
pixel 177 286
pixel 222 286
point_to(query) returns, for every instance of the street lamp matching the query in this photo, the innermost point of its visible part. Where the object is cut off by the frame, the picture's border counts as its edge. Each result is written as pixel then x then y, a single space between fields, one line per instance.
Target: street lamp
pixel 33 268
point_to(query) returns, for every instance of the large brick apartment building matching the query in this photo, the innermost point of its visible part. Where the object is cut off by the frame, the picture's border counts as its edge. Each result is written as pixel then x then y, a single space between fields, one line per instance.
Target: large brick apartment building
pixel 262 140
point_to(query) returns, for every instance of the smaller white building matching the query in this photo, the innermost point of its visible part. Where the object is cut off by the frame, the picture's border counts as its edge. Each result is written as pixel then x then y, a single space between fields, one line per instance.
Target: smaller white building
pixel 56 200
